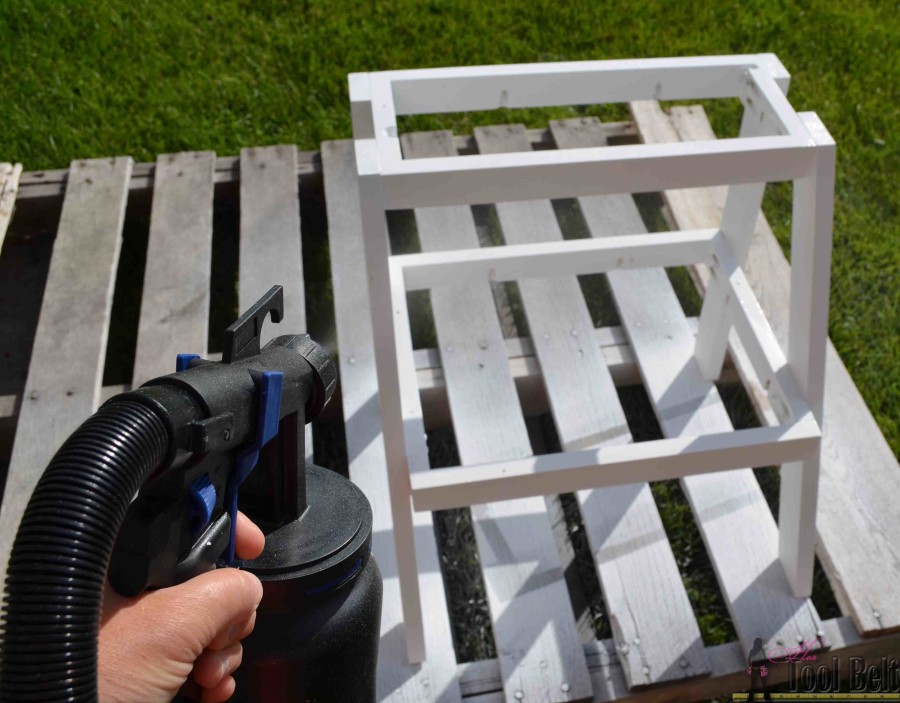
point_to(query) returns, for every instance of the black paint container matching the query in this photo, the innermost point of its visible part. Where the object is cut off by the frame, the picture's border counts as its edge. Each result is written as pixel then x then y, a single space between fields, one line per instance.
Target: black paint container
pixel 318 625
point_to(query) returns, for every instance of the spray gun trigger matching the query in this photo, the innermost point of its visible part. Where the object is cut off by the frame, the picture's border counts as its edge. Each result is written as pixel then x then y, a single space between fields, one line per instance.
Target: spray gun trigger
pixel 269 415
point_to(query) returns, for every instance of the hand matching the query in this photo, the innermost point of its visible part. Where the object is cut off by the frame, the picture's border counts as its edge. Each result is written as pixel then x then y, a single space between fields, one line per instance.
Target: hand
pixel 151 644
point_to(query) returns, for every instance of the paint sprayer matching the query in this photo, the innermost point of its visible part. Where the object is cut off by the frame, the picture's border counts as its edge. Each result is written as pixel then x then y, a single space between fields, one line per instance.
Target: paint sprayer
pixel 146 493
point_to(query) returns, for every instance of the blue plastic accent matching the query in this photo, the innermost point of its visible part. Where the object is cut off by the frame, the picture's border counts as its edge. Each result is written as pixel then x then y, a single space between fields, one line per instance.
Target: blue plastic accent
pixel 338 582
pixel 268 417
pixel 203 501
pixel 182 361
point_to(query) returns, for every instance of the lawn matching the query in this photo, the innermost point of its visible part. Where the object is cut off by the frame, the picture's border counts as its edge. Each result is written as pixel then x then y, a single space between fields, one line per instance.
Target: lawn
pixel 141 78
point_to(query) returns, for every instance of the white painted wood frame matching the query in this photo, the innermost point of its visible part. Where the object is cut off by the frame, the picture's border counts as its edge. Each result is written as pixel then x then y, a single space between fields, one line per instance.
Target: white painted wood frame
pixel 779 145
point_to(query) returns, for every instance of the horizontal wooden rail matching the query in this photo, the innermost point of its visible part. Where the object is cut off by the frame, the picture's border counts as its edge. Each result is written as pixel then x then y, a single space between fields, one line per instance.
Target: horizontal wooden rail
pixel 550 259
pixel 620 465
pixel 536 175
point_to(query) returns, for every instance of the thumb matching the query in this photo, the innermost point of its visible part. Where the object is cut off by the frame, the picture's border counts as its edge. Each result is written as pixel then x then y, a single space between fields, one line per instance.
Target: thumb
pixel 196 611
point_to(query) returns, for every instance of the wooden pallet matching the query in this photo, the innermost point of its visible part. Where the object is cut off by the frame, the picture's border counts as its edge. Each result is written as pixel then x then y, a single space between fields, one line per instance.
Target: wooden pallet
pixel 656 652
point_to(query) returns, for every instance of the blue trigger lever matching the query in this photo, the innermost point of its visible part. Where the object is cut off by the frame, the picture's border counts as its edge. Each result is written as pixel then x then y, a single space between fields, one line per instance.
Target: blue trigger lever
pixel 202 493
pixel 269 415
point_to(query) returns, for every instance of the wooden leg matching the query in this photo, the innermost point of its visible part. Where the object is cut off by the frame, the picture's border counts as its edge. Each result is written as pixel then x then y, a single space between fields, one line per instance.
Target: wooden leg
pixel 738 220
pixel 797 523
pixel 377 248
pixel 810 282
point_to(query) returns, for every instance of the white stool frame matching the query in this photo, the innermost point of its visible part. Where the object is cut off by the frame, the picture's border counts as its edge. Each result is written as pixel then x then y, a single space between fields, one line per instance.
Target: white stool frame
pixel 775 144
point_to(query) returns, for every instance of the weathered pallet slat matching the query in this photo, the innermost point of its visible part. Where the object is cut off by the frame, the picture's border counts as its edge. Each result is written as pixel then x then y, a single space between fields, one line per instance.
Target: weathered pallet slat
pixel 579 386
pixel 175 302
pixel 858 520
pixel 9 187
pixel 480 681
pixel 51 183
pixel 66 369
pixel 523 366
pixel 655 630
pixel 857 527
pixel 737 527
pixel 539 648
pixel 398 681
pixel 270 251
pixel 270 234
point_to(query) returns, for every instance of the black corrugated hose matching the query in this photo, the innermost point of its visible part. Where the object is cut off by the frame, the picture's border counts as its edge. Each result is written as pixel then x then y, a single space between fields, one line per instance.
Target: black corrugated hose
pixel 54 582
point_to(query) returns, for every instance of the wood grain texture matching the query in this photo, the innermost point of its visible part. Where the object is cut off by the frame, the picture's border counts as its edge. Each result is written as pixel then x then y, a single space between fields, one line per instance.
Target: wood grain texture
pixel 270 252
pixel 175 302
pixel 655 630
pixel 858 519
pixel 66 370
pixel 539 648
pixel 51 183
pixel 735 522
pixel 398 681
pixel 480 681
pixel 9 187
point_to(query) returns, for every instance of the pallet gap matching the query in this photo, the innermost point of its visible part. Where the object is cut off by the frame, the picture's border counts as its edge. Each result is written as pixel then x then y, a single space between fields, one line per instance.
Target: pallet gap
pixel 724 114
pixel 743 416
pixel 24 264
pixel 651 208
pixel 118 366
pixel 507 299
pixel 531 118
pixel 467 605
pixel 330 445
pixel 690 553
pixel 579 569
pixel 594 287
pixel 223 279
pixel 317 288
pixel 403 235
pixel 329 438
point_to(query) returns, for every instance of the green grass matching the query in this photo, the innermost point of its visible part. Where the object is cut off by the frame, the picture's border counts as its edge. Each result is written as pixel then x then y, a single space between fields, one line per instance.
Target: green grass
pixel 142 78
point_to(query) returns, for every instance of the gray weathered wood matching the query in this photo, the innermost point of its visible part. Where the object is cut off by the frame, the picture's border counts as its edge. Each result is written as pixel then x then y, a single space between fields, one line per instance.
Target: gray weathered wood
pixel 9 186
pixel 522 364
pixel 480 681
pixel 175 302
pixel 735 522
pixel 270 251
pixel 398 681
pixel 858 518
pixel 66 370
pixel 653 625
pixel 538 645
pixel 51 183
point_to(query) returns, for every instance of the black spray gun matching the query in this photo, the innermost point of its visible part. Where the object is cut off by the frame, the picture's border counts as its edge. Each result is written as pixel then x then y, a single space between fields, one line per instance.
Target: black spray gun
pixel 147 491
